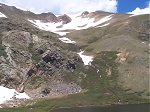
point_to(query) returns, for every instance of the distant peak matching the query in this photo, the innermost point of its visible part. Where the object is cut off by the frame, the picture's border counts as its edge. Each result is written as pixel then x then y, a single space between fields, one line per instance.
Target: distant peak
pixel 85 13
pixel 64 18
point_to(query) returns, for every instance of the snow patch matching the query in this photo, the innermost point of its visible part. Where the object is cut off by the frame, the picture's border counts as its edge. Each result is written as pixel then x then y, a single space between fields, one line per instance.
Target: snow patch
pixel 97 70
pixel 86 59
pixel 103 20
pixel 2 15
pixel 46 26
pixel 133 15
pixel 66 40
pixel 77 23
pixel 61 33
pixel 7 94
pixel 103 25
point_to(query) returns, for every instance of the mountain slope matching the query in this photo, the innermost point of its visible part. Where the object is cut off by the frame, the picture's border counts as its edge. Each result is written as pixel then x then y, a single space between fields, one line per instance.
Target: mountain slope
pixel 130 36
pixel 42 55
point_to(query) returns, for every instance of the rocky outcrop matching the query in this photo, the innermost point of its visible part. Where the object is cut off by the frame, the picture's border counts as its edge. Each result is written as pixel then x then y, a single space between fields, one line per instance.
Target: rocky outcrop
pixel 32 55
pixel 61 89
pixel 64 19
pixel 122 55
pixel 47 17
pixel 10 75
pixel 84 14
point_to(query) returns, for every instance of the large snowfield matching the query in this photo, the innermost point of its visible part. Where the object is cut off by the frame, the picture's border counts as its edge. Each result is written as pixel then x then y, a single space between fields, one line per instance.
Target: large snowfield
pixel 77 23
pixel 7 94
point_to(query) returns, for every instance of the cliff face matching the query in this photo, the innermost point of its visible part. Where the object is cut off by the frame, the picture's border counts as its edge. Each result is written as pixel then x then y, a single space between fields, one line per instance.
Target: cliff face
pixel 32 59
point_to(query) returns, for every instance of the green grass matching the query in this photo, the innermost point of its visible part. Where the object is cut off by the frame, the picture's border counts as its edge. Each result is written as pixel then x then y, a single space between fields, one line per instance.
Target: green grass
pixel 2 51
pixel 39 106
pixel 2 48
pixel 126 34
pixel 101 91
pixel 72 47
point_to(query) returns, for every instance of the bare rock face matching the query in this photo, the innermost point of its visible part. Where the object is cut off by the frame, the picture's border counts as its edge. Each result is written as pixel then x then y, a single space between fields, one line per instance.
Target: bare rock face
pixel 18 39
pixel 9 75
pixel 61 89
pixel 84 14
pixel 30 56
pixel 21 88
pixel 47 17
pixel 18 60
pixel 35 58
pixel 17 44
pixel 64 19
pixel 122 55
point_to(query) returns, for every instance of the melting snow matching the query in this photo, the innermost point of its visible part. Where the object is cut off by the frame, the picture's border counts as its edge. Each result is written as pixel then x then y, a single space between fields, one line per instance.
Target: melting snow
pixel 103 25
pixel 97 70
pixel 7 94
pixel 46 26
pixel 77 23
pixel 86 59
pixel 66 40
pixel 133 15
pixel 2 15
pixel 61 33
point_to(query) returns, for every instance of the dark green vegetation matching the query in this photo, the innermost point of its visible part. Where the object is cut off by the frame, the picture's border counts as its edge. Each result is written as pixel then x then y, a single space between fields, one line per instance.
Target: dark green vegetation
pixel 2 48
pixel 2 51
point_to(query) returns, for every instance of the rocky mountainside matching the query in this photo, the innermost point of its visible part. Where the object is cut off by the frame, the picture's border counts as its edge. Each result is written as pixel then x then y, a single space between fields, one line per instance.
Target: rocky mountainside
pixel 43 55
pixel 31 58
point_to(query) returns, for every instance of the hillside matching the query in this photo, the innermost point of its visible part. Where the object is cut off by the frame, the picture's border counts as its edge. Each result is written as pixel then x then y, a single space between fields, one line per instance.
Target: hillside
pixel 94 58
